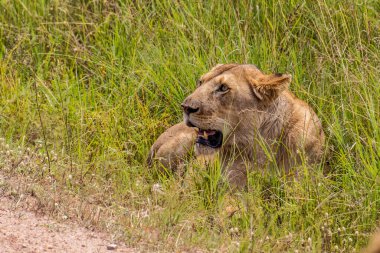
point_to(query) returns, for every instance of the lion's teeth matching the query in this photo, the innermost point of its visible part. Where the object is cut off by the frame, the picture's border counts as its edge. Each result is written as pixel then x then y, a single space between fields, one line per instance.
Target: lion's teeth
pixel 205 135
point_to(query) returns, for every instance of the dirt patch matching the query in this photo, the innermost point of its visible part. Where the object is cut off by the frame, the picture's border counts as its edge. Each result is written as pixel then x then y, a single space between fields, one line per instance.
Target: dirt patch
pixel 22 230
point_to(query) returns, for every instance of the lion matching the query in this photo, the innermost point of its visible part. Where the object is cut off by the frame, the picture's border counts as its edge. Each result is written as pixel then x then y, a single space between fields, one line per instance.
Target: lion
pixel 248 118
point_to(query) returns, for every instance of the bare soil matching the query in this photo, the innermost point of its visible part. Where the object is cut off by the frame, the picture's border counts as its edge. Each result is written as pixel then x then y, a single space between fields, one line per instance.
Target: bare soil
pixel 23 230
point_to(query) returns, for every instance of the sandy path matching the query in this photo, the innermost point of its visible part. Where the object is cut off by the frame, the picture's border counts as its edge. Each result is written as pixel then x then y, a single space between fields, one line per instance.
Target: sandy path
pixel 25 231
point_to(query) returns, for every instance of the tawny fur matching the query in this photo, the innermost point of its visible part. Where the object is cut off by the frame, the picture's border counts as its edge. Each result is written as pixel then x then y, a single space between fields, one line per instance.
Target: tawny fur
pixel 373 245
pixel 257 115
pixel 173 147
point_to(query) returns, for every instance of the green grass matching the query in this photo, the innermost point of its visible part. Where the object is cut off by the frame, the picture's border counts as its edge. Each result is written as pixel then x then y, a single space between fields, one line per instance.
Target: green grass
pixel 95 83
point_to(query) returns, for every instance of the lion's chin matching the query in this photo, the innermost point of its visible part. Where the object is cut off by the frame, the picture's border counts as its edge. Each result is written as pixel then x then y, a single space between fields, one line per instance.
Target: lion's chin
pixel 210 138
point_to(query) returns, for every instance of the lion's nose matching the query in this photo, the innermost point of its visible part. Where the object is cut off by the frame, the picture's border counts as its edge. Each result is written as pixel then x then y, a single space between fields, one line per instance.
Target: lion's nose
pixel 189 109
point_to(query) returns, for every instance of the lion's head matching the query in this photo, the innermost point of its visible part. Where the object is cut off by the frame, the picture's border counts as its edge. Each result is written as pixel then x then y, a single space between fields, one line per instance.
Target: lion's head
pixel 218 104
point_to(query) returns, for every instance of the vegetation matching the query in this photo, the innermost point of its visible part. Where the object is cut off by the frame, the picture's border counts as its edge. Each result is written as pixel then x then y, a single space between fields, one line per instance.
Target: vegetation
pixel 90 84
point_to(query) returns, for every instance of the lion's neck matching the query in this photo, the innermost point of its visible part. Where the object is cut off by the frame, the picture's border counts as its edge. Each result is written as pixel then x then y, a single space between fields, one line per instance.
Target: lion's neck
pixel 274 119
pixel 260 127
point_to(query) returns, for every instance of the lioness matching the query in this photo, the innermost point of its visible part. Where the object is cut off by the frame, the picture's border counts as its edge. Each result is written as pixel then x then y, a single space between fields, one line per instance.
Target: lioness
pixel 251 119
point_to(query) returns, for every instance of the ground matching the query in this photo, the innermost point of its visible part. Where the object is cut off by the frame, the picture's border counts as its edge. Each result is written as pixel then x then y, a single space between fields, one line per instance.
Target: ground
pixel 24 230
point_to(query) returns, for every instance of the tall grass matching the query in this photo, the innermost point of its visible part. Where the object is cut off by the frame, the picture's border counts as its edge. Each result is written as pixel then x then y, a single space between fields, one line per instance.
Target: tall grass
pixel 98 81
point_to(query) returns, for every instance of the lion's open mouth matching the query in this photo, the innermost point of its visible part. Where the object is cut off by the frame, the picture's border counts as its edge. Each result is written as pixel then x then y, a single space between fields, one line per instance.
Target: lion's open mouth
pixel 211 138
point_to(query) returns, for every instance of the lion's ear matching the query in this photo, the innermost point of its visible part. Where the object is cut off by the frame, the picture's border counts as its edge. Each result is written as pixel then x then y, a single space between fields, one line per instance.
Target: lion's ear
pixel 269 87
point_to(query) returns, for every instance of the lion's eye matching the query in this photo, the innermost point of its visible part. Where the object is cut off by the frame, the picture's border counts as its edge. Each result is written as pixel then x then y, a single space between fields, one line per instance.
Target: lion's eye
pixel 199 82
pixel 223 88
